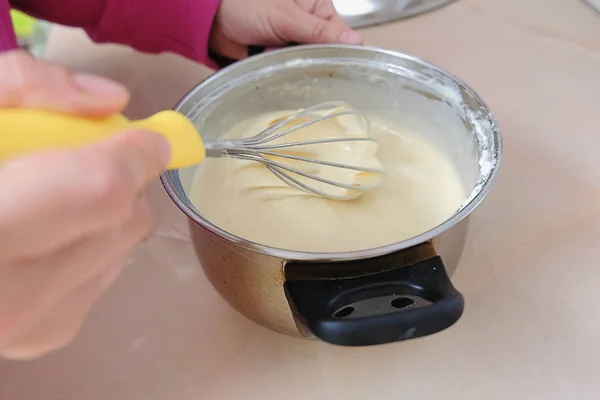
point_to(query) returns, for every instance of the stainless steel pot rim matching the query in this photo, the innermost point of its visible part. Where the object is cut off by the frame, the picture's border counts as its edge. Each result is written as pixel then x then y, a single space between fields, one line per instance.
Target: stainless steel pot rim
pixel 171 181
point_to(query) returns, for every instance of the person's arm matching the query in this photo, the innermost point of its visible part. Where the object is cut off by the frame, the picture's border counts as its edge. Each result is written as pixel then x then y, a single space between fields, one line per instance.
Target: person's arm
pixel 8 41
pixel 152 26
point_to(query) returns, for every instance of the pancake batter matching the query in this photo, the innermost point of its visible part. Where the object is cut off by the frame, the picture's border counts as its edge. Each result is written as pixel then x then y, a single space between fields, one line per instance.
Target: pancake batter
pixel 420 190
pixel 306 127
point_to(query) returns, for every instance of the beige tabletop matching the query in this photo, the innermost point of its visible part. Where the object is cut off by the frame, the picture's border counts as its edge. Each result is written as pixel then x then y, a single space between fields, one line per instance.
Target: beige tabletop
pixel 530 273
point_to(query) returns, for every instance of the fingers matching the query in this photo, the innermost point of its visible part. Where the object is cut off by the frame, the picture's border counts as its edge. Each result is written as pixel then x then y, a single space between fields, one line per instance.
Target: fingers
pixel 316 22
pixel 319 8
pixel 325 9
pixel 80 193
pixel 228 48
pixel 66 216
pixel 71 262
pixel 30 83
pixel 47 280
pixel 59 324
pixel 136 157
pixel 70 267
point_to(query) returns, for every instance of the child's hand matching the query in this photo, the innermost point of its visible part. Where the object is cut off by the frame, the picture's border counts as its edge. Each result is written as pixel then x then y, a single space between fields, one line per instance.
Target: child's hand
pixel 242 23
pixel 68 219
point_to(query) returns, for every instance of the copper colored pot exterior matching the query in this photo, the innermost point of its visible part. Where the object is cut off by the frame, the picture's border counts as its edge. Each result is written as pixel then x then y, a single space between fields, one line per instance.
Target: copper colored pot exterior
pixel 253 283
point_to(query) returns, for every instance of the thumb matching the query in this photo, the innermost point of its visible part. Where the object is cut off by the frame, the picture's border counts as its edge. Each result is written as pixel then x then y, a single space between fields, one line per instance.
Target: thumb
pixel 30 83
pixel 303 27
pixel 135 155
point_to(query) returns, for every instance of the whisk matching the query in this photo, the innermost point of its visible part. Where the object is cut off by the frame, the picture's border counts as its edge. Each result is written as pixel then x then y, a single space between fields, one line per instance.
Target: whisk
pixel 28 130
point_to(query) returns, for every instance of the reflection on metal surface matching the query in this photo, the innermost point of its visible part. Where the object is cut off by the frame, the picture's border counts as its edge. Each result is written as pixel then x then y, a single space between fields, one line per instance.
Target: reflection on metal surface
pixel 361 13
pixel 594 3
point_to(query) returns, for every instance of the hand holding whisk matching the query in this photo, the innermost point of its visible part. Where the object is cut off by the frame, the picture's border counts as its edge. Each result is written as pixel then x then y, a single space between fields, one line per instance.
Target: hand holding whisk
pixel 293 148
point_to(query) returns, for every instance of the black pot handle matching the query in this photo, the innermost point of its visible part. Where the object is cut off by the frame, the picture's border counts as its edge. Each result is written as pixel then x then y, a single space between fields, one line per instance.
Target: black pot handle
pixel 402 303
pixel 223 62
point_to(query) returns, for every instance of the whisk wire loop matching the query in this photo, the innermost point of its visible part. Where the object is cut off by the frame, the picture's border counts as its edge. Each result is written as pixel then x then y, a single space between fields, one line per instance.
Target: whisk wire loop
pixel 262 148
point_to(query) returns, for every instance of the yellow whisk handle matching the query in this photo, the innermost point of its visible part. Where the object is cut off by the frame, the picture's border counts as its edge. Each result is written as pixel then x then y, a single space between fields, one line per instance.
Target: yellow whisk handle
pixel 25 130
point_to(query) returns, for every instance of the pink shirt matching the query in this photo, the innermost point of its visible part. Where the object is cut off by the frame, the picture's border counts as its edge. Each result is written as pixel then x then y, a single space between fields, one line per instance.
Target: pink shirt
pixel 152 26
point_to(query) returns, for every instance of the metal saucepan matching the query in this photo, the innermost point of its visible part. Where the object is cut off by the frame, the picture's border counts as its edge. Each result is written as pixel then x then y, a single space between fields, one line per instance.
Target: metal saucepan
pixel 357 298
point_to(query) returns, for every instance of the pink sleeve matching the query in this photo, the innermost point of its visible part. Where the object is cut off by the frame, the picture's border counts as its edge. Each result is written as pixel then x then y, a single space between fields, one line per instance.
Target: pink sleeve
pixel 152 26
pixel 8 41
